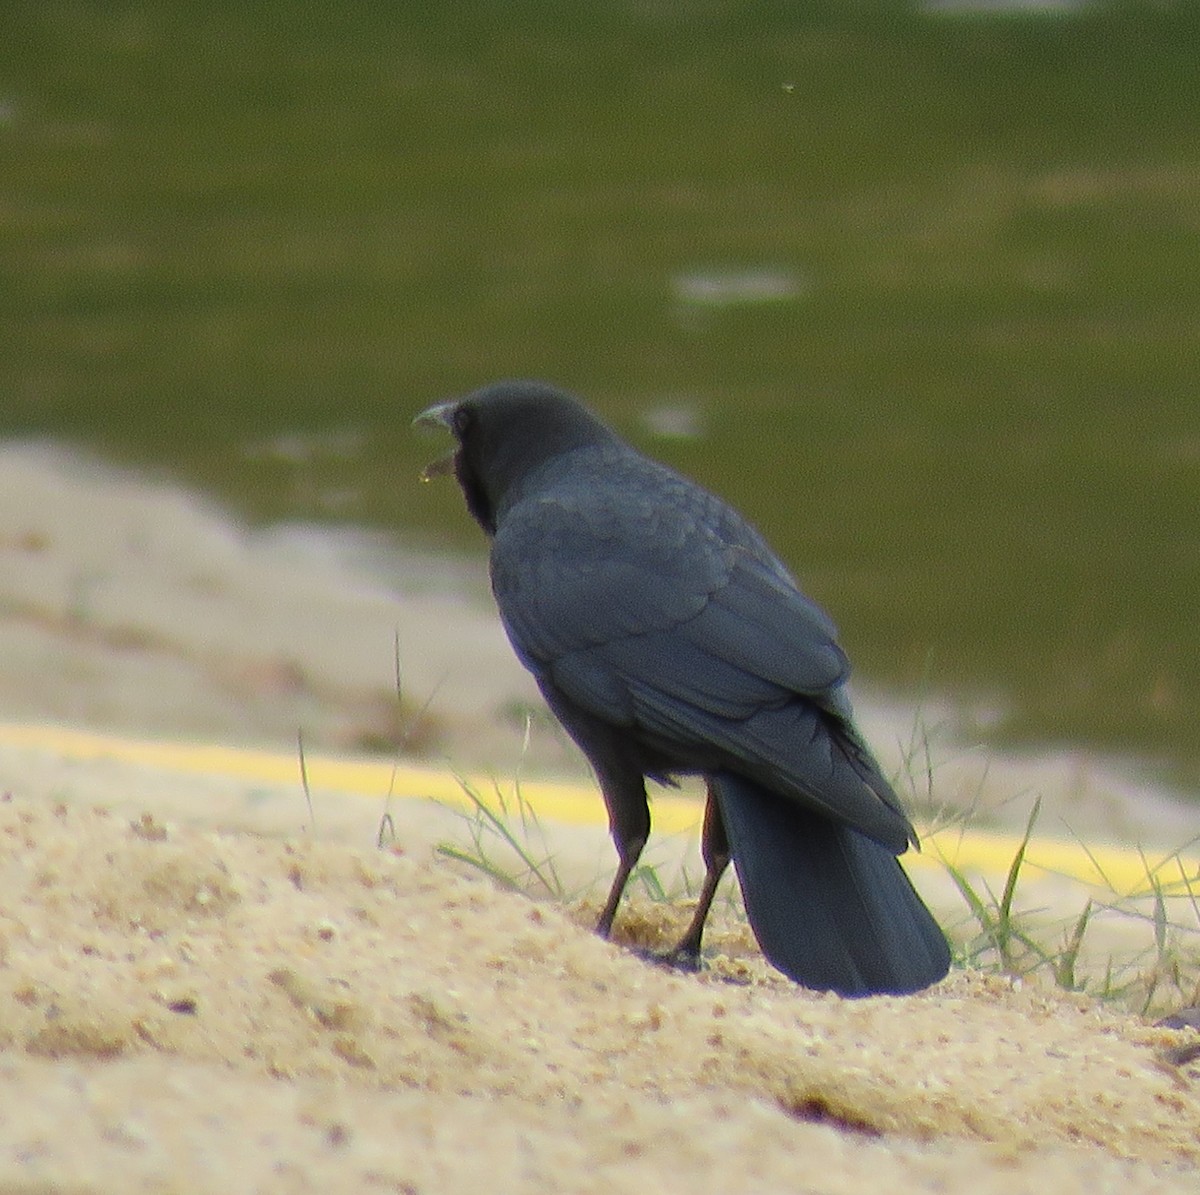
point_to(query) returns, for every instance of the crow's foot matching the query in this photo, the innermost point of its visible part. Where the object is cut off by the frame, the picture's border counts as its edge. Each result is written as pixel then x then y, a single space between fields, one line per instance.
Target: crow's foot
pixel 674 960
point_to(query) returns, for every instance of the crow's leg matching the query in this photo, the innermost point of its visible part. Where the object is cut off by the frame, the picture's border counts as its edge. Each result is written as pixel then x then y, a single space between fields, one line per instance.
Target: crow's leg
pixel 622 785
pixel 714 848
pixel 626 865
pixel 629 823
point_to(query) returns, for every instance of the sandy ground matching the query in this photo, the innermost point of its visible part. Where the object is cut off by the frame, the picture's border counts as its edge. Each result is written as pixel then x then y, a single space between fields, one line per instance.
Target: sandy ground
pixel 203 990
pixel 190 1011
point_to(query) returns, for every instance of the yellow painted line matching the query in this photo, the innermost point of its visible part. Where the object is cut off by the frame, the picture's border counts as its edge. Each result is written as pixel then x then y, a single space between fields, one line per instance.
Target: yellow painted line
pixel 572 804
pixel 1115 871
pixel 975 852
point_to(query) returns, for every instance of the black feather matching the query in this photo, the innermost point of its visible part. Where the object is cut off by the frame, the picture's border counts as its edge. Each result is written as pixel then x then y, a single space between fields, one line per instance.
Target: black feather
pixel 669 639
pixel 829 907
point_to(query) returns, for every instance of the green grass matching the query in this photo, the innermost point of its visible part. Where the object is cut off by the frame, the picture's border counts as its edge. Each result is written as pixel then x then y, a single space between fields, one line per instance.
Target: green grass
pixel 506 842
pixel 1161 968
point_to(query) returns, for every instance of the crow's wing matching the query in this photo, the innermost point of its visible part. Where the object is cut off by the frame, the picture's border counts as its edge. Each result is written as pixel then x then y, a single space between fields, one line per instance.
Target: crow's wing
pixel 651 604
pixel 711 618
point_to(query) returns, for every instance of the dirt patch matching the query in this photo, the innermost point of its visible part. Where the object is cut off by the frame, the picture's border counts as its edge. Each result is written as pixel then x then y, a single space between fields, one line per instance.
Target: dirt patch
pixel 193 1011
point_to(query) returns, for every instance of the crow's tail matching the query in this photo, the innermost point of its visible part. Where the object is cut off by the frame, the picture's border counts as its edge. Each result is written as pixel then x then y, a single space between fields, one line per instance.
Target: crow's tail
pixel 831 908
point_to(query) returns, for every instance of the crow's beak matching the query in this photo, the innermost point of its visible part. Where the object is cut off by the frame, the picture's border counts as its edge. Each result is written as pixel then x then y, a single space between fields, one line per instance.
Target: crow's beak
pixel 440 415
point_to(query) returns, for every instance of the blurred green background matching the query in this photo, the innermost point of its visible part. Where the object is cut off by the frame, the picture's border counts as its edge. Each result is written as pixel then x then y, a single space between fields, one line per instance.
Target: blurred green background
pixel 919 290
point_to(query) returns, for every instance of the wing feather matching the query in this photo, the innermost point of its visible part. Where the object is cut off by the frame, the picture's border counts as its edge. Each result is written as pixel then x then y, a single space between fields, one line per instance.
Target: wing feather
pixel 673 617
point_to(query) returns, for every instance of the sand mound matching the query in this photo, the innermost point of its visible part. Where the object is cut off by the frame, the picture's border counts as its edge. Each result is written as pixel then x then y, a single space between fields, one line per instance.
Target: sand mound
pixel 188 1011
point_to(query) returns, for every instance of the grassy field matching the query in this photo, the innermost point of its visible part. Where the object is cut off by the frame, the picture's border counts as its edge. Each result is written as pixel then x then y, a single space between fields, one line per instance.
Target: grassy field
pixel 925 285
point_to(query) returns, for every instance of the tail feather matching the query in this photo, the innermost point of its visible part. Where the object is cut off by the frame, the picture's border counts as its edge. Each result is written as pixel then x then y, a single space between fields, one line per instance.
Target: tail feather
pixel 830 908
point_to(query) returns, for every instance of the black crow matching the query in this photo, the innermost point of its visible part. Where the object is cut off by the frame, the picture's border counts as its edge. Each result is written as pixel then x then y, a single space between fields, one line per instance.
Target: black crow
pixel 668 639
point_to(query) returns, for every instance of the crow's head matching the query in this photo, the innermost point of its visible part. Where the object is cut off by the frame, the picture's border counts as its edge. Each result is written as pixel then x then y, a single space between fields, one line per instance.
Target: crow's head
pixel 506 431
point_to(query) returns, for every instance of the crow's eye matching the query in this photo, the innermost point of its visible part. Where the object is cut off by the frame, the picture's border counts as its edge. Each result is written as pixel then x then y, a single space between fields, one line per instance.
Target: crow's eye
pixel 463 418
